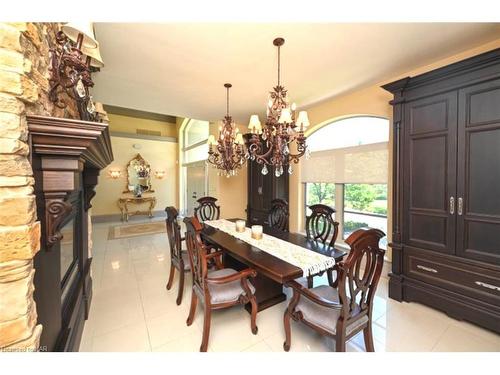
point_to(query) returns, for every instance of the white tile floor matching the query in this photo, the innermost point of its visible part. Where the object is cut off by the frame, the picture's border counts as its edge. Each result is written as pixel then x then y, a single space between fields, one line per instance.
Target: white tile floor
pixel 132 311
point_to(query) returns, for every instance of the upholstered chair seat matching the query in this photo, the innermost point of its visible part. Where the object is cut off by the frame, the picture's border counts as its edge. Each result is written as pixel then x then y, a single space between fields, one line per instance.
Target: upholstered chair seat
pixel 217 288
pixel 343 308
pixel 228 292
pixel 325 317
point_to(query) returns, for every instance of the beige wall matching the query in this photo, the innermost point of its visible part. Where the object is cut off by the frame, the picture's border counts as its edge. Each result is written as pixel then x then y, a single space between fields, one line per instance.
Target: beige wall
pixel 160 155
pixel 128 124
pixel 230 191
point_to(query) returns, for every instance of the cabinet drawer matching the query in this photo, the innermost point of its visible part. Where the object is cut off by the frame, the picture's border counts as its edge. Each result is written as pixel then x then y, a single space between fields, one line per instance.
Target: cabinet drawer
pixel 469 279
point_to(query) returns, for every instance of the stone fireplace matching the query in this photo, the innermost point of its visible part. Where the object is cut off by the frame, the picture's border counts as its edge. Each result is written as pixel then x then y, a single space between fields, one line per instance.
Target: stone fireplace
pixel 24 57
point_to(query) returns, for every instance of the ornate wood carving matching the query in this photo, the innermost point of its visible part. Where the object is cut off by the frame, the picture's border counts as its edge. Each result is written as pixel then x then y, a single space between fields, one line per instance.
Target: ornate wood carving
pixel 56 209
pixel 66 156
pixel 90 177
pixel 138 161
pixel 207 209
pixel 62 150
pixel 124 202
pixel 320 224
pixel 279 214
pixel 89 193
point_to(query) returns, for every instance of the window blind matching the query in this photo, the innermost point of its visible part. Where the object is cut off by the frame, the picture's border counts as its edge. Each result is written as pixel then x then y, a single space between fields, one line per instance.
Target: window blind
pixel 355 165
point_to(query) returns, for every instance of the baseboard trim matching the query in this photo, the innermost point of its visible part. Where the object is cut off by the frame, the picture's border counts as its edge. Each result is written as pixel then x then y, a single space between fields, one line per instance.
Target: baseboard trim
pixel 117 217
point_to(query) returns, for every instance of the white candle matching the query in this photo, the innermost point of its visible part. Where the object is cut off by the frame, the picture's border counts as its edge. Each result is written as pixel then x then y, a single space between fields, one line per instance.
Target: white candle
pixel 211 140
pixel 254 124
pixel 303 120
pixel 285 117
pixel 257 232
pixel 240 225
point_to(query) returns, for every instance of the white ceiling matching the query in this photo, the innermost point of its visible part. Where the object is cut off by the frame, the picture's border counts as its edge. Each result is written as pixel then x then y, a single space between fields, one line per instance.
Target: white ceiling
pixel 179 68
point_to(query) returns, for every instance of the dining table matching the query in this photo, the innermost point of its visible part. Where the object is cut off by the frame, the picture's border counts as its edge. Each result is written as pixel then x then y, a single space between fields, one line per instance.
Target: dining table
pixel 272 272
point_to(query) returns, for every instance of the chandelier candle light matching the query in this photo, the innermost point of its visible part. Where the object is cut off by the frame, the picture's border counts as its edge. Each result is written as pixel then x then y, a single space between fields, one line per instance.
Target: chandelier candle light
pixel 226 152
pixel 271 145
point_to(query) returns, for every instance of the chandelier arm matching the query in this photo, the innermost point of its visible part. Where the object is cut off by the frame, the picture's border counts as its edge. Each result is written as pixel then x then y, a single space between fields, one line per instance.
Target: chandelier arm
pixel 261 158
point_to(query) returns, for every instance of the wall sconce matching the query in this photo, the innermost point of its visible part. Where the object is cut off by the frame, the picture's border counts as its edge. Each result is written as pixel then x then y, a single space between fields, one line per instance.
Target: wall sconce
pixel 115 174
pixel 159 174
pixel 73 59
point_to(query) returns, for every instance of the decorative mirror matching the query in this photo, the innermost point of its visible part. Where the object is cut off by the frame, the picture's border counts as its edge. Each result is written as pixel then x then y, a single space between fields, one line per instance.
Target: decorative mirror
pixel 138 175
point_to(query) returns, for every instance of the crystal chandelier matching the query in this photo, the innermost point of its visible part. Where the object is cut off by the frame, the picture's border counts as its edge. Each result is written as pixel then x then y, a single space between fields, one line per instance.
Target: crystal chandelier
pixel 226 153
pixel 270 145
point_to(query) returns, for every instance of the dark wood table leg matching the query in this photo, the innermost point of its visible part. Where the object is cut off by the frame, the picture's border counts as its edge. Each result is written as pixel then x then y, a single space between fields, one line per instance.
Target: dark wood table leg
pixel 267 291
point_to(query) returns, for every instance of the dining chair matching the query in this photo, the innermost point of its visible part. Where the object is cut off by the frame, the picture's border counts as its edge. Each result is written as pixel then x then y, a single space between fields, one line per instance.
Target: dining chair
pixel 343 309
pixel 216 289
pixel 207 209
pixel 320 226
pixel 179 259
pixel 279 215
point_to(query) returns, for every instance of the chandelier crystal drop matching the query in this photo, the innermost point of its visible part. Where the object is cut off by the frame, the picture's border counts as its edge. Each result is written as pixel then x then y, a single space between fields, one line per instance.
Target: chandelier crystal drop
pixel 226 153
pixel 270 145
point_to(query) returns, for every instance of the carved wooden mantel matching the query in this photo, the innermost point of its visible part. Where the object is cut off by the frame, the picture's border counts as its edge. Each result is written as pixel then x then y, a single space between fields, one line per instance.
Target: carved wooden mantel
pixel 67 150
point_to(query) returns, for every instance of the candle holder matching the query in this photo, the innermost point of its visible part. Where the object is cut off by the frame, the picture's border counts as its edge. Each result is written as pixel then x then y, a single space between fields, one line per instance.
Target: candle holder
pixel 257 232
pixel 240 226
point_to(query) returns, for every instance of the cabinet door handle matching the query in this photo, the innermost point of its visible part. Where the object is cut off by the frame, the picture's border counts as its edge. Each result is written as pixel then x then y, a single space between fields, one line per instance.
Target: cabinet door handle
pixel 460 206
pixel 452 205
pixel 428 269
pixel 488 286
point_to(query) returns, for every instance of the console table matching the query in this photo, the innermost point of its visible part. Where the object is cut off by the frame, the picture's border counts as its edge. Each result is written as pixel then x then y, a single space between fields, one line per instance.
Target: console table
pixel 124 202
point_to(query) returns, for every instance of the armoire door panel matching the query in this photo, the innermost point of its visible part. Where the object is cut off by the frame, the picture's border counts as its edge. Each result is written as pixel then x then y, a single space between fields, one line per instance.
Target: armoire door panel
pixel 430 182
pixel 429 173
pixel 429 229
pixel 429 116
pixel 484 172
pixel 478 223
pixel 482 239
pixel 484 107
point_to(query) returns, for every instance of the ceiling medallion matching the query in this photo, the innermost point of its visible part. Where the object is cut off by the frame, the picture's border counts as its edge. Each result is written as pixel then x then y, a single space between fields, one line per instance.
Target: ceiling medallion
pixel 270 145
pixel 226 153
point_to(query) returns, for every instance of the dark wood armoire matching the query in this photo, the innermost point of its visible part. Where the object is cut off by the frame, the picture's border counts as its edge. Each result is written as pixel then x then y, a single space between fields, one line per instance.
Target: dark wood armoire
pixel 66 156
pixel 446 208
pixel 262 189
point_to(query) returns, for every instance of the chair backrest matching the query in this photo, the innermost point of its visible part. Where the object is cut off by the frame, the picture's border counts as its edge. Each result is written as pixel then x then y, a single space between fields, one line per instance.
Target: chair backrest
pixel 320 224
pixel 279 215
pixel 173 233
pixel 196 251
pixel 359 273
pixel 207 209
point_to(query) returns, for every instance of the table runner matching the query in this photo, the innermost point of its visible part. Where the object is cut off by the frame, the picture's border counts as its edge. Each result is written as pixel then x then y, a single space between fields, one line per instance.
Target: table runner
pixel 309 261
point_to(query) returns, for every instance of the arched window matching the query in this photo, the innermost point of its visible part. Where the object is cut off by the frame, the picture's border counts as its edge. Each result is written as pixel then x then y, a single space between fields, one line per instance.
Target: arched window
pixel 195 141
pixel 194 178
pixel 347 170
pixel 349 132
